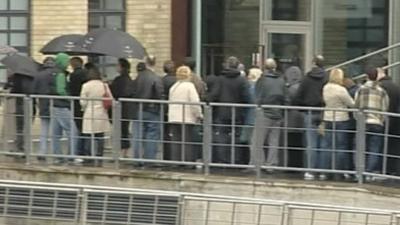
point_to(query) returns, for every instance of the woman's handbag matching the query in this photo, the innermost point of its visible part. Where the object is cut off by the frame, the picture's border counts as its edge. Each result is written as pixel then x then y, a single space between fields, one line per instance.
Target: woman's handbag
pixel 107 100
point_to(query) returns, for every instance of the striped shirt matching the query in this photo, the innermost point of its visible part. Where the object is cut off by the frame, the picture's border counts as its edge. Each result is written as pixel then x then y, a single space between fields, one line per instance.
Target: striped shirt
pixel 374 98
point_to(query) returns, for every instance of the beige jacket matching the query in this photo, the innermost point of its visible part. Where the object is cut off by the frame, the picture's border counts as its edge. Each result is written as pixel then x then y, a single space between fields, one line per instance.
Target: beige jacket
pixel 184 91
pixel 95 117
pixel 336 97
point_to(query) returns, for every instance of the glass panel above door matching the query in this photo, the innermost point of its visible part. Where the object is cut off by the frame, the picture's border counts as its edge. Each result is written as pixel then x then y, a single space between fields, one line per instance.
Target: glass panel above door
pixel 287 10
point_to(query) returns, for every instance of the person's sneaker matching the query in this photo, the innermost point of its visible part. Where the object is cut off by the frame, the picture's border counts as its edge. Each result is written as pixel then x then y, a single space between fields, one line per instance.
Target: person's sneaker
pixel 78 161
pixel 309 176
pixel 347 177
pixel 323 177
pixel 59 162
pixel 369 178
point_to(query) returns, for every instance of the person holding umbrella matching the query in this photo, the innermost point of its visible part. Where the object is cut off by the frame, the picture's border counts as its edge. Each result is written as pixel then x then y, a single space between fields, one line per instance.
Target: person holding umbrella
pixel 61 110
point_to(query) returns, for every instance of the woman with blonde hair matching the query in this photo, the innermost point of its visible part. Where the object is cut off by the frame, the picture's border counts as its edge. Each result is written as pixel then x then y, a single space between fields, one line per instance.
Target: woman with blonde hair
pixel 183 117
pixel 336 125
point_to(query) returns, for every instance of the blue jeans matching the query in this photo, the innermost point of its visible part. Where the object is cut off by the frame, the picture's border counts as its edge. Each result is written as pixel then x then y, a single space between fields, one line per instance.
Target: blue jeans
pixel 146 136
pixel 338 131
pixel 63 121
pixel 44 135
pixel 313 139
pixel 374 146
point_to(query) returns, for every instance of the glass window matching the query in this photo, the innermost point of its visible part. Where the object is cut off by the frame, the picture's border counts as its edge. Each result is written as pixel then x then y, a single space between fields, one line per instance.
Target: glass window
pixel 290 10
pixel 3 4
pixel 18 23
pixel 114 4
pixel 114 22
pixel 3 39
pixel 18 39
pixel 3 23
pixel 18 4
pixel 351 28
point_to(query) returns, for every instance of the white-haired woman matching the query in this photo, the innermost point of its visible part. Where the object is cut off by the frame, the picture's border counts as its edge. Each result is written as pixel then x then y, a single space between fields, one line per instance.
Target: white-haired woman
pixel 183 117
pixel 336 124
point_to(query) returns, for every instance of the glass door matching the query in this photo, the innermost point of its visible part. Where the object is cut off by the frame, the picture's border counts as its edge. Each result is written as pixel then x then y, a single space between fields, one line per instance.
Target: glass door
pixel 288 46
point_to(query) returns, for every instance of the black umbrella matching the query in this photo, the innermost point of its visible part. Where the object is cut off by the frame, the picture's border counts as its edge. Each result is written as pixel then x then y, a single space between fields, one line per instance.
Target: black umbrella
pixel 68 43
pixel 19 64
pixel 115 43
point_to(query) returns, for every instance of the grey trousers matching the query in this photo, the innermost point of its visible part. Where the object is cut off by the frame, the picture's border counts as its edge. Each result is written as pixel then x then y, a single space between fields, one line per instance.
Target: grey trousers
pixel 269 130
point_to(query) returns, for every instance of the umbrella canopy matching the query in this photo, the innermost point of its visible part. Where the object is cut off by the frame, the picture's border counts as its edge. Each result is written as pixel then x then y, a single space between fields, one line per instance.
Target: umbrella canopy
pixel 5 50
pixel 115 43
pixel 65 43
pixel 19 64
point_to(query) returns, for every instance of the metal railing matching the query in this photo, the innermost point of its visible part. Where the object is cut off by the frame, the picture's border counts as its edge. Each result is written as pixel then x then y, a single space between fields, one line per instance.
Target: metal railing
pixel 82 204
pixel 222 139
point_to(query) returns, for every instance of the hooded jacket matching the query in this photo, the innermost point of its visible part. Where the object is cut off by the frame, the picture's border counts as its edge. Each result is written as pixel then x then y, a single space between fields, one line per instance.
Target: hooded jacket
pixel 233 88
pixel 271 90
pixel 309 93
pixel 60 84
pixel 42 86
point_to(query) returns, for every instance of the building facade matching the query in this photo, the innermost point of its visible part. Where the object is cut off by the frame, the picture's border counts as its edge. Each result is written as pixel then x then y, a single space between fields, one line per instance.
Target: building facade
pixel 292 31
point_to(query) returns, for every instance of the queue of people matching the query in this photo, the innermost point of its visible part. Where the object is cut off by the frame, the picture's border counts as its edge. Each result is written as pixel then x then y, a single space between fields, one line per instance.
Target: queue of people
pixel 145 125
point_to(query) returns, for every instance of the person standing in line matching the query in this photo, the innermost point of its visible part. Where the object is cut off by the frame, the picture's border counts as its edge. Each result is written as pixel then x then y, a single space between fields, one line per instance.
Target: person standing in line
pixel 61 110
pixel 147 118
pixel 293 76
pixel 337 126
pixel 42 86
pixel 270 90
pixel 95 116
pixel 121 88
pixel 232 88
pixel 309 94
pixel 183 117
pixel 196 79
pixel 373 97
pixel 76 79
pixel 168 80
pixel 393 91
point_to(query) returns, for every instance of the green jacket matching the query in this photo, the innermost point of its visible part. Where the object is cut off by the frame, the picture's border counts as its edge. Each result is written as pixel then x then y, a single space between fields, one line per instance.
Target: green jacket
pixel 60 84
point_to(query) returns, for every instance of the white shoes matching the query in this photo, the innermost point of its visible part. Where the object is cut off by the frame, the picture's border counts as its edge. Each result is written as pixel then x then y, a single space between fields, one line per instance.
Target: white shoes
pixel 309 176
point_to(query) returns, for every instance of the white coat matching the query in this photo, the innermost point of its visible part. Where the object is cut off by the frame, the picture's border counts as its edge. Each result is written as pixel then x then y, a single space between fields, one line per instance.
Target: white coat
pixel 95 117
pixel 184 91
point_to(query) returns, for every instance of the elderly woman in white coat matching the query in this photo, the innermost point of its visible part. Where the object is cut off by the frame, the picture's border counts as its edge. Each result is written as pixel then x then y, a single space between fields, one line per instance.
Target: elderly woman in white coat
pixel 183 117
pixel 95 117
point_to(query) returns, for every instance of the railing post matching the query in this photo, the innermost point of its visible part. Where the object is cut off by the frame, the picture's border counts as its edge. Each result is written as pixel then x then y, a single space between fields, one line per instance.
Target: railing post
pixel 116 132
pixel 257 147
pixel 207 138
pixel 84 204
pixel 27 128
pixel 360 146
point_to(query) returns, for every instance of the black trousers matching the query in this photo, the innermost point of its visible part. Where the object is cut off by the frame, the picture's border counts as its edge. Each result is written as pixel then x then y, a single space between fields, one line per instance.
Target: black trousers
pixel 182 146
pixel 125 142
pixel 98 141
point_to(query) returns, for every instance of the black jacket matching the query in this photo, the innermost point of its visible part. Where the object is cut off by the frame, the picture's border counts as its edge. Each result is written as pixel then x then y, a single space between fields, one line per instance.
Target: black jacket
pixel 122 87
pixel 271 90
pixel 168 81
pixel 212 84
pixel 232 89
pixel 76 80
pixel 42 86
pixel 393 91
pixel 310 89
pixel 148 85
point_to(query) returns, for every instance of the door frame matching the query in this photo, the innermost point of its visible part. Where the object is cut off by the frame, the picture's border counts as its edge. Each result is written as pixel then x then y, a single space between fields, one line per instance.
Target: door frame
pixel 284 27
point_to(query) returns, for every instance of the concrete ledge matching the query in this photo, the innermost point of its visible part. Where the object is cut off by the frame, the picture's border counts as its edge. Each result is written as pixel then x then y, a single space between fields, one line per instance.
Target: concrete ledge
pixel 341 194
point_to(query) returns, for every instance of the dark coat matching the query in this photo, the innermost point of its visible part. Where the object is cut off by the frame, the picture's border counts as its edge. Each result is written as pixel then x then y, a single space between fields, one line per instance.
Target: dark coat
pixel 147 85
pixel 42 86
pixel 168 81
pixel 212 85
pixel 271 90
pixel 76 80
pixel 232 88
pixel 393 91
pixel 122 87
pixel 310 89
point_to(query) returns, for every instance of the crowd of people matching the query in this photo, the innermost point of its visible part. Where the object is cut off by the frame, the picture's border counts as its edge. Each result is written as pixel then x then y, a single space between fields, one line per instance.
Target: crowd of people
pixel 142 124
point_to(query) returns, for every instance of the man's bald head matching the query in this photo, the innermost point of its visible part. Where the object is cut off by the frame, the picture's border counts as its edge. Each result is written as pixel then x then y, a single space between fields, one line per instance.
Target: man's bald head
pixel 270 64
